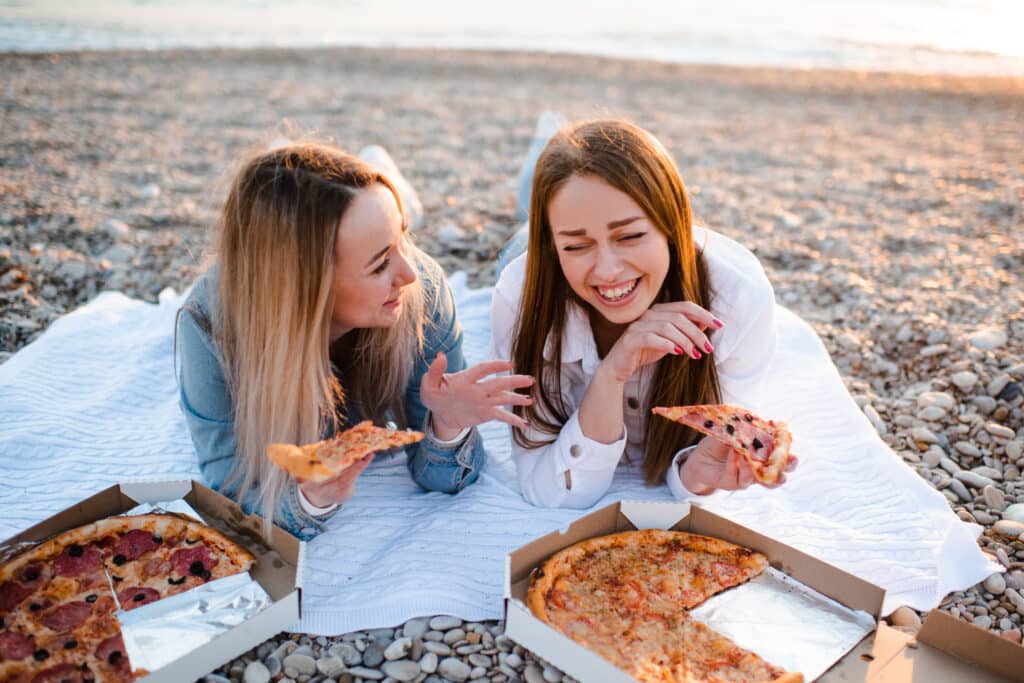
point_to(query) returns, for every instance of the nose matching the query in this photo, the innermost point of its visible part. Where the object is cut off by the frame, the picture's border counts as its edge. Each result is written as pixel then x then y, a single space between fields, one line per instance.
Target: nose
pixel 405 274
pixel 607 266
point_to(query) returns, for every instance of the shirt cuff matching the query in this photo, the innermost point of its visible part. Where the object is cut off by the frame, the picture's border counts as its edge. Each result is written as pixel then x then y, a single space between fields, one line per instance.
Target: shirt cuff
pixel 579 452
pixel 675 483
pixel 428 429
pixel 311 509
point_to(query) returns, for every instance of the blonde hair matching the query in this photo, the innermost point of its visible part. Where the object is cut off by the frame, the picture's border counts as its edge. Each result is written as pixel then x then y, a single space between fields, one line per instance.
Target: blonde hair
pixel 634 162
pixel 271 312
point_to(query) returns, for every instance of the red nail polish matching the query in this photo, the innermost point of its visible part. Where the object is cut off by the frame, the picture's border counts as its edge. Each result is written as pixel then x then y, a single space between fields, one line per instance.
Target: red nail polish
pixel 696 354
pixel 678 350
pixel 718 323
pixel 708 347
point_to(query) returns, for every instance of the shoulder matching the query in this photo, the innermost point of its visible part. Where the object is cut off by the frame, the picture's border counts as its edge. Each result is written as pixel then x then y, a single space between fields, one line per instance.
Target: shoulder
pixel 438 303
pixel 739 285
pixel 197 303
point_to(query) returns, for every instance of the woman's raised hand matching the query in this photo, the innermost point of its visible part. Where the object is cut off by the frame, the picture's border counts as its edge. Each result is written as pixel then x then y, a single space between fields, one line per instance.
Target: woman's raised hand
pixel 465 399
pixel 671 328
pixel 714 465
pixel 336 490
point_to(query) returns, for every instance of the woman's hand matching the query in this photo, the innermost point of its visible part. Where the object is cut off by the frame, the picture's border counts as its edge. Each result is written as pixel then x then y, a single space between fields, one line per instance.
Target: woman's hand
pixel 676 327
pixel 714 465
pixel 336 490
pixel 465 399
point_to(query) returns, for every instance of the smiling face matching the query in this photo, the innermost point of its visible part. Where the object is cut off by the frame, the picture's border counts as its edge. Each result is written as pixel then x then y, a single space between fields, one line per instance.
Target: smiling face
pixel 612 255
pixel 370 266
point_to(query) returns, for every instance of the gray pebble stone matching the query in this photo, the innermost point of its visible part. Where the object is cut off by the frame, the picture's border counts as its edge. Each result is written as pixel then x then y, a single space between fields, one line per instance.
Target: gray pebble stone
pixel 303 664
pixel 286 648
pixel 414 628
pixel 367 674
pixel 304 650
pixel 468 649
pixel 994 498
pixel 514 660
pixel 960 490
pixel 445 623
pixel 454 636
pixel 552 675
pixel 455 669
pixel 436 636
pixel 330 666
pixel 986 404
pixel 373 655
pixel 974 479
pixel 256 672
pixel 984 621
pixel 273 664
pixel 347 652
pixel 477 672
pixel 480 660
pixel 1015 513
pixel 437 648
pixel 398 649
pixel 533 674
pixel 428 663
pixel 381 634
pixel 402 669
pixel 417 650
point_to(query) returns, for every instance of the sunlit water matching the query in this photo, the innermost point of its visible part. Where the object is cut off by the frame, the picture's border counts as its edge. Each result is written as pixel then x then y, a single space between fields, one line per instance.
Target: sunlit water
pixel 946 36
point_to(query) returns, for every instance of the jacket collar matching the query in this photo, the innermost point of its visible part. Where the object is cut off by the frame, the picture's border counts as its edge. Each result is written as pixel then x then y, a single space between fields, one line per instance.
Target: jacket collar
pixel 578 343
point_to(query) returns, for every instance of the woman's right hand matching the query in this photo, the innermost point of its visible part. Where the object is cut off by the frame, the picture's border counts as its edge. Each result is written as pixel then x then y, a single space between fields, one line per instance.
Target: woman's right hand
pixel 671 328
pixel 337 490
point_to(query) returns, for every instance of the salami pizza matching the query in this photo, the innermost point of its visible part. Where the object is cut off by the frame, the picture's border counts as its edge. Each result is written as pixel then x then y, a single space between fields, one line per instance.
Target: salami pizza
pixel 763 443
pixel 318 462
pixel 58 600
pixel 626 596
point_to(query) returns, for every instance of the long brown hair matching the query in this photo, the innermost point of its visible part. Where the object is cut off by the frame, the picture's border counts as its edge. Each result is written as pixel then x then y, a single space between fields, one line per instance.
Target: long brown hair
pixel 271 313
pixel 634 162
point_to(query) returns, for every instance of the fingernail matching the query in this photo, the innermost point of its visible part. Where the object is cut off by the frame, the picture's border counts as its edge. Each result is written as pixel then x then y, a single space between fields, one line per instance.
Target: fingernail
pixel 708 347
pixel 718 323
pixel 696 354
pixel 678 350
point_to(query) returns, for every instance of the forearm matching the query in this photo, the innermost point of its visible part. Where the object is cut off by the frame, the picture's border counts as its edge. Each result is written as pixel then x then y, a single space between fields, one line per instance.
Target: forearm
pixel 600 411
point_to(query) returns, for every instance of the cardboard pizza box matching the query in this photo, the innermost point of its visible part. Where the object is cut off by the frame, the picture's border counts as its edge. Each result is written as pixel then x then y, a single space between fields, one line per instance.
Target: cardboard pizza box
pixel 278 568
pixel 945 651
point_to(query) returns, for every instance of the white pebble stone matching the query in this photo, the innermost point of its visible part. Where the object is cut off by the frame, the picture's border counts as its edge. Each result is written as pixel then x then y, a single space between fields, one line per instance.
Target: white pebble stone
pixel 995 584
pixel 974 479
pixel 428 663
pixel 366 673
pixel 936 398
pixel 330 666
pixel 454 636
pixel 552 675
pixel 1008 527
pixel 532 674
pixel 304 664
pixel 987 338
pixel 477 672
pixel 256 672
pixel 999 431
pixel 1015 513
pixel 933 350
pixel 414 628
pixel 967 448
pixel 1014 450
pixel 401 670
pixel 445 623
pixel 875 419
pixel 998 384
pixel 454 669
pixel 514 660
pixel 931 413
pixel 949 465
pixel 924 435
pixel 436 636
pixel 932 456
pixel 398 649
pixel 965 381
pixel 984 621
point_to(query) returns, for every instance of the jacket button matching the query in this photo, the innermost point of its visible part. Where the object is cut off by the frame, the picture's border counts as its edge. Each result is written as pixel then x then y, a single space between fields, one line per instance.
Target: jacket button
pixel 632 403
pixel 574 450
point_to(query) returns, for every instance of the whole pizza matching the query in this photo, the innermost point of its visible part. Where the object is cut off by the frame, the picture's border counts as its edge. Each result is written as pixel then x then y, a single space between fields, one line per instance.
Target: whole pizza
pixel 626 596
pixel 58 600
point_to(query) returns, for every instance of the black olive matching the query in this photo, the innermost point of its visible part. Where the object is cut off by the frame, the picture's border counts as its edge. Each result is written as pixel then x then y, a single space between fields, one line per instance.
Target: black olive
pixel 40 654
pixel 1 622
pixel 735 418
pixel 748 417
pixel 708 424
pixel 158 539
pixel 71 644
pixel 730 429
pixel 35 607
pixel 205 575
pixel 75 550
pixel 139 597
pixel 30 574
pixel 119 579
pixel 114 657
pixel 757 443
pixel 196 568
pixel 120 559
pixel 176 582
pixel 90 598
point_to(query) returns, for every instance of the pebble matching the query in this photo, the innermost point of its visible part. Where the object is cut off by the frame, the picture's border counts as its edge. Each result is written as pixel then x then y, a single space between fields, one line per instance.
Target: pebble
pixel 967 448
pixel 330 666
pixel 987 339
pixel 923 435
pixel 965 380
pixel 428 663
pixel 302 663
pixel 960 490
pixel 445 623
pixel 1014 450
pixel 928 414
pixel 984 621
pixel 875 419
pixel 373 655
pixel 999 431
pixel 273 664
pixel 347 652
pixel 906 617
pixel 1008 527
pixel 437 648
pixel 933 456
pixel 533 674
pixel 366 674
pixel 994 498
pixel 1010 392
pixel 995 584
pixel 998 384
pixel 402 670
pixel 454 669
pixel 117 230
pixel 986 404
pixel 479 660
pixel 256 672
pixel 1014 513
pixel 513 660
pixel 1013 635
pixel 938 399
pixel 398 649
pixel 552 675
pixel 454 636
pixel 974 479
pixel 949 465
pixel 415 628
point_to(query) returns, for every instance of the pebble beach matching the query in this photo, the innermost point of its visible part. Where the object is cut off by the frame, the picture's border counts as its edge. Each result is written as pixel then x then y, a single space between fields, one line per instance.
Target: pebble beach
pixel 888 211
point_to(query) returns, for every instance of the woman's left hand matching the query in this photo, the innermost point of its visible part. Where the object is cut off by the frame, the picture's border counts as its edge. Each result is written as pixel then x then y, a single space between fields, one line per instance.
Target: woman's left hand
pixel 714 465
pixel 465 399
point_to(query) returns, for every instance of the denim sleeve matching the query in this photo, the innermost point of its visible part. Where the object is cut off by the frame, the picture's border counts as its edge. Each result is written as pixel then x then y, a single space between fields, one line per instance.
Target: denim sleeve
pixel 433 465
pixel 206 404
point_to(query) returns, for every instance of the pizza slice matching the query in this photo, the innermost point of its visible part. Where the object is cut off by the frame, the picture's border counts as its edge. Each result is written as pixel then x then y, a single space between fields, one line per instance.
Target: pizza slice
pixel 324 460
pixel 764 443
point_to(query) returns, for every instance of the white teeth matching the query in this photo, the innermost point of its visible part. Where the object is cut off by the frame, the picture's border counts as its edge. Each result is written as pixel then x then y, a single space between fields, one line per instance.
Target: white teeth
pixel 612 294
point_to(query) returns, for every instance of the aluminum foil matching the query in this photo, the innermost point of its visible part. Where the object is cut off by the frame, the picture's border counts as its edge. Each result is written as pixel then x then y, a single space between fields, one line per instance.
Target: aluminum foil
pixel 159 633
pixel 786 623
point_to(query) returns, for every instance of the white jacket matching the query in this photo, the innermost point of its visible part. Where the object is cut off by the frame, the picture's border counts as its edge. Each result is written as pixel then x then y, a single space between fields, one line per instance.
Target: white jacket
pixel 742 298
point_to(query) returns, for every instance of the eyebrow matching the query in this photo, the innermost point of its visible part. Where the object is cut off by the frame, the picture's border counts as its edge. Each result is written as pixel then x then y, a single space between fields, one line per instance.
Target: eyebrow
pixel 611 226
pixel 377 255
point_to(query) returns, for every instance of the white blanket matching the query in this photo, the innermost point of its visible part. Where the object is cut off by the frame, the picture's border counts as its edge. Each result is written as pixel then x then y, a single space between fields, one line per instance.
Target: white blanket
pixel 94 401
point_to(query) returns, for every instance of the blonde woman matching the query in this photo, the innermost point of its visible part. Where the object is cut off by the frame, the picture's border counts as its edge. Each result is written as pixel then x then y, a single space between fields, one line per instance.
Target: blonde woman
pixel 318 313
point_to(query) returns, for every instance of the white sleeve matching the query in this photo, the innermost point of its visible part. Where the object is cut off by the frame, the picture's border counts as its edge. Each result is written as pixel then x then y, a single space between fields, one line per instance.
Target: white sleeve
pixel 314 510
pixel 675 484
pixel 542 471
pixel 745 350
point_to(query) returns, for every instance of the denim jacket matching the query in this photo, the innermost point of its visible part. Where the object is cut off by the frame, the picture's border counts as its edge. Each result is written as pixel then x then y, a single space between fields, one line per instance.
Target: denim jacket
pixel 206 403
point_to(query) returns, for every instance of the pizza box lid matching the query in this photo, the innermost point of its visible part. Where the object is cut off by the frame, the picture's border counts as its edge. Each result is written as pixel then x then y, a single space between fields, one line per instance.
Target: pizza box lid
pixel 887 656
pixel 278 568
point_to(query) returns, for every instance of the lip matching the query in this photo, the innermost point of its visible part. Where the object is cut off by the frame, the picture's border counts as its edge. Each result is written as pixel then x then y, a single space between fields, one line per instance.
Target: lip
pixel 393 303
pixel 624 301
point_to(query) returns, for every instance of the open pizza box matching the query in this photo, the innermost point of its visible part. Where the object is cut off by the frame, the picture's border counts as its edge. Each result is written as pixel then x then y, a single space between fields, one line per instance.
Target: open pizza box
pixel 277 568
pixel 945 650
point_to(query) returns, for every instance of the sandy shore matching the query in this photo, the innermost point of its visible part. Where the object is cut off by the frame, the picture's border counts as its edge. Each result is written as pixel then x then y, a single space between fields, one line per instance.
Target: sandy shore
pixel 886 209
